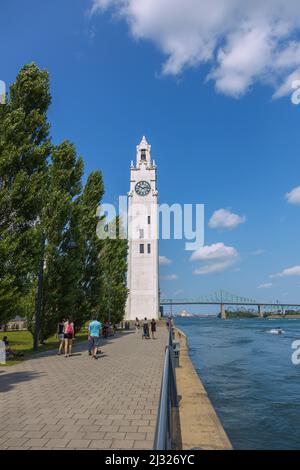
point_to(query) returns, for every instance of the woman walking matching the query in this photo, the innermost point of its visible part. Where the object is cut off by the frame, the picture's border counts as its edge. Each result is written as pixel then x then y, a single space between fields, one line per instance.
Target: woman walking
pixel 153 328
pixel 61 336
pixel 68 336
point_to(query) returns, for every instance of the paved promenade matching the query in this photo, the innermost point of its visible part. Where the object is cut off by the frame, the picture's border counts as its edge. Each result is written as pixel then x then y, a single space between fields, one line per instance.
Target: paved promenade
pixel 52 402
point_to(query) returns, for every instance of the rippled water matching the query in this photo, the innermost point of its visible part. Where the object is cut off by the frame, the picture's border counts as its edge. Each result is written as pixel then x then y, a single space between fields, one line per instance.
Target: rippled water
pixel 250 378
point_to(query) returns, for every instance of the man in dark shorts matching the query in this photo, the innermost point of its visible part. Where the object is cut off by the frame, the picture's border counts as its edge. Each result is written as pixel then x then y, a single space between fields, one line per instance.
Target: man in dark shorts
pixel 146 333
pixel 94 336
pixel 153 328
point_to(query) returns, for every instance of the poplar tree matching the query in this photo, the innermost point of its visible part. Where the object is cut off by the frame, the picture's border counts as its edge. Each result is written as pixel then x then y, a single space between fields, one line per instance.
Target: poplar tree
pixel 61 234
pixel 24 151
pixel 113 257
pixel 89 295
pixel 52 264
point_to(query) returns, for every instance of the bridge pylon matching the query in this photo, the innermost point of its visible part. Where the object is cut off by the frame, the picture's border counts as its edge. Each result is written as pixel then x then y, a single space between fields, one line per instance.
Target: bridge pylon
pixel 223 312
pixel 261 311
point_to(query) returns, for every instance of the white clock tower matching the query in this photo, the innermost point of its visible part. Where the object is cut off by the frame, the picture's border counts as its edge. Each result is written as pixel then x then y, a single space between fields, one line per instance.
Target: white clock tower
pixel 142 276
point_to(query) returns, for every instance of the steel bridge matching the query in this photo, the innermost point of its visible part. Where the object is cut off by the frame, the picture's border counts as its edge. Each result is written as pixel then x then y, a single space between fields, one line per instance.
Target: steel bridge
pixel 224 298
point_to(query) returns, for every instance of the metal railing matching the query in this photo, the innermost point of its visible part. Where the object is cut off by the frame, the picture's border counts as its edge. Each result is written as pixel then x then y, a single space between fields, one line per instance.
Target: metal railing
pixel 168 434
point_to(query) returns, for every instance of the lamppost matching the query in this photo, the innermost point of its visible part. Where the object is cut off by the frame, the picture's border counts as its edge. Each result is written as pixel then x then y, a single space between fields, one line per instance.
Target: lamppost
pixel 39 297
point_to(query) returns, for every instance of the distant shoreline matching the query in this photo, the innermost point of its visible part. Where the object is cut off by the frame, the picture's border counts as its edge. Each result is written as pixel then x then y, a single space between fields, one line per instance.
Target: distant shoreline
pixel 282 317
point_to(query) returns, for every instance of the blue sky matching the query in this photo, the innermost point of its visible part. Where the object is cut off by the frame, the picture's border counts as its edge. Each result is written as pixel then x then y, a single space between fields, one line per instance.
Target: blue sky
pixel 228 147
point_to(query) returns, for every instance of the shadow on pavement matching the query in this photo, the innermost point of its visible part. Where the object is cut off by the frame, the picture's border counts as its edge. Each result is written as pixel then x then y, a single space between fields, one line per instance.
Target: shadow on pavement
pixel 10 379
pixel 78 348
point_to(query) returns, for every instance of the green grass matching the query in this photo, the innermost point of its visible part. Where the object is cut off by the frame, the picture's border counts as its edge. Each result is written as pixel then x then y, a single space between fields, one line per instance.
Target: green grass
pixel 22 341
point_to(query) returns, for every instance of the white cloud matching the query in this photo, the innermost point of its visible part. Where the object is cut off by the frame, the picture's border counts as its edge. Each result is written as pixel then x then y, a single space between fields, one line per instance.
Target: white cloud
pixel 213 268
pixel 294 271
pixel 267 285
pixel 223 218
pixel 170 277
pixel 214 252
pixel 242 60
pixel 294 196
pixel 243 42
pixel 214 258
pixel 164 261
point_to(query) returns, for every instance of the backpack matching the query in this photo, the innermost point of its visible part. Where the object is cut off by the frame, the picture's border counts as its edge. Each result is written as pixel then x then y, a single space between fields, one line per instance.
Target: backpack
pixel 69 329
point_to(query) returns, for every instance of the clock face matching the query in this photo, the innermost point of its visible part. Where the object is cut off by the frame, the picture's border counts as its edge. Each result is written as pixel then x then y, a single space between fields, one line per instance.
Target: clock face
pixel 142 188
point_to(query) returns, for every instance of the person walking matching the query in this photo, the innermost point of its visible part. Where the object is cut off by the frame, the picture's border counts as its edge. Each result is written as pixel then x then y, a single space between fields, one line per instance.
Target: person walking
pixel 169 322
pixel 94 336
pixel 68 336
pixel 61 336
pixel 146 333
pixel 137 325
pixel 153 328
pixel 106 328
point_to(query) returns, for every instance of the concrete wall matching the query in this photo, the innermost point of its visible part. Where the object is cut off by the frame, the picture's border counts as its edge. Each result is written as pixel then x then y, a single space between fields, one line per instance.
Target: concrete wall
pixel 200 425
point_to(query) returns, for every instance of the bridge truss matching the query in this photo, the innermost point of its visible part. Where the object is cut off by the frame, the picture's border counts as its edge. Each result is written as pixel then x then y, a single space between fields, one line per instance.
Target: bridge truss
pixel 223 297
pixel 218 297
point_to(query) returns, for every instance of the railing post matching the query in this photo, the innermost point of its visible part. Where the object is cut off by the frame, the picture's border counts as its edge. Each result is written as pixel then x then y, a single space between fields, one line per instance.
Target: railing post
pixel 167 434
pixel 173 385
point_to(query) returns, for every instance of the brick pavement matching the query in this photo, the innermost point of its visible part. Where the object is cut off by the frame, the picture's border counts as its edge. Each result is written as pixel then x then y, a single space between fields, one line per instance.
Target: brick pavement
pixel 52 402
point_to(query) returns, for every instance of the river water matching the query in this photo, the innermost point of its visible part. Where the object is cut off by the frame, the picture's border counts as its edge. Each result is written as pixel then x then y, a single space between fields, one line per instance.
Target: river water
pixel 250 378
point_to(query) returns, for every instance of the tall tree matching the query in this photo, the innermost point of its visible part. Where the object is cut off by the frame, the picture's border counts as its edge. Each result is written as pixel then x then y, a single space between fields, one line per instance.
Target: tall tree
pixel 61 263
pixel 52 263
pixel 113 258
pixel 24 150
pixel 89 295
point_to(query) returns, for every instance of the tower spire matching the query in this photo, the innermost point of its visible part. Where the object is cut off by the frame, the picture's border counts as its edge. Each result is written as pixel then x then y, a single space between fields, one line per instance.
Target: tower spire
pixel 143 152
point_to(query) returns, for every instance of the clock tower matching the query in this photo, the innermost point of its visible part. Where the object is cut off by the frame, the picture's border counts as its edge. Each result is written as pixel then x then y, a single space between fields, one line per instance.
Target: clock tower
pixel 142 276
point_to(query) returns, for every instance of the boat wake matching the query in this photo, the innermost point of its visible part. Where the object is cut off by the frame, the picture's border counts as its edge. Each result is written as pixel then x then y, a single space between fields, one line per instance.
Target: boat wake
pixel 276 331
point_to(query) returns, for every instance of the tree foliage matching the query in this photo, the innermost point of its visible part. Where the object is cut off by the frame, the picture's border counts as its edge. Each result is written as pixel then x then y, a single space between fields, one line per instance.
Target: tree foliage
pixel 61 267
pixel 113 258
pixel 48 219
pixel 24 151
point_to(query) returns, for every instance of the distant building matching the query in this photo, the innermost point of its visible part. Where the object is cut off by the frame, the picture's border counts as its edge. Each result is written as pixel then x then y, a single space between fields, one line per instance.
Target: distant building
pixel 17 323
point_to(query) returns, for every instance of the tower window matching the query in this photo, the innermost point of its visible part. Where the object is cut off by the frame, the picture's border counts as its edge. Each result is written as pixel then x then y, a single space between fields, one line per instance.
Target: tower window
pixel 141 233
pixel 143 154
pixel 149 219
pixel 149 248
pixel 142 250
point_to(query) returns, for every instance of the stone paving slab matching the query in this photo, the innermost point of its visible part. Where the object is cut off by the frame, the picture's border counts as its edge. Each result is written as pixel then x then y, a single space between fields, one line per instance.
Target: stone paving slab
pixel 52 402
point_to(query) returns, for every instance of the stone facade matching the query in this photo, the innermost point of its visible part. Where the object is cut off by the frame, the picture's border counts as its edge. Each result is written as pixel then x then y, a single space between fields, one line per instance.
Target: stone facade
pixel 142 278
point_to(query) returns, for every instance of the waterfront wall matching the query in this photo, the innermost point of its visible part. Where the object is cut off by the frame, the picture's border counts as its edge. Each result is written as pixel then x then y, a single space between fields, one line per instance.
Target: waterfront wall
pixel 200 425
